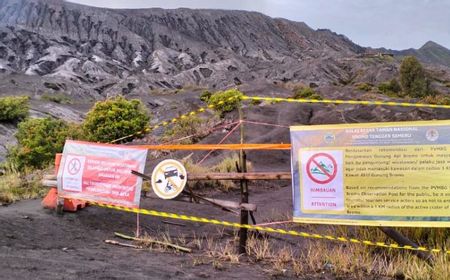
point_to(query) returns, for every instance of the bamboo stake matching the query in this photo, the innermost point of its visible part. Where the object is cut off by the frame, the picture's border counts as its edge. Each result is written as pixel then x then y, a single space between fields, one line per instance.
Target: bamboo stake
pixel 170 245
pixel 123 244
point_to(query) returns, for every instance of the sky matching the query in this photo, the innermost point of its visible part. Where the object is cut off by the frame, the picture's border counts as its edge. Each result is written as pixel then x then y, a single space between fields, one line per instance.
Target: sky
pixel 394 24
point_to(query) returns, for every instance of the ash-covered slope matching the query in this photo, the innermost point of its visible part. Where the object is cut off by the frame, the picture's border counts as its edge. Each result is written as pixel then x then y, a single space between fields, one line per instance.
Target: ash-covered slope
pixel 96 51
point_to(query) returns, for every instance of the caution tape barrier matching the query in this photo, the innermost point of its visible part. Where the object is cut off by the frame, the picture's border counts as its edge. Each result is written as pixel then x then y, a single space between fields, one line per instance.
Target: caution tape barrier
pixel 174 120
pixel 278 99
pixel 266 229
pixel 354 102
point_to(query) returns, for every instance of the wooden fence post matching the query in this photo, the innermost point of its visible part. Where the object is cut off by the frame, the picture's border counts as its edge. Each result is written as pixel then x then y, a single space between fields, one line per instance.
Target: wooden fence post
pixel 244 190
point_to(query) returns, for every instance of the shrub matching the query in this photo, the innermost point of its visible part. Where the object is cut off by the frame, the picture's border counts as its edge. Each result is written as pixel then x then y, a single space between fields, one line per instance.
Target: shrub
pixel 115 118
pixel 413 78
pixel 364 86
pixel 205 96
pixel 231 99
pixel 391 88
pixel 38 142
pixel 190 126
pixel 306 92
pixel 13 108
pixel 255 102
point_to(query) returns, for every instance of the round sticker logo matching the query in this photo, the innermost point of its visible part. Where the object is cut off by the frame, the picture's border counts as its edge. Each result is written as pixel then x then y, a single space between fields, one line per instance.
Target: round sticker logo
pixel 432 134
pixel 169 179
pixel 321 168
pixel 329 138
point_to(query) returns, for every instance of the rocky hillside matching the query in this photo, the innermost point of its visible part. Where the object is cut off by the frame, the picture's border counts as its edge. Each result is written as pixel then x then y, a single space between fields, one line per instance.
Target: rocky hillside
pixel 431 52
pixel 65 56
pixel 98 51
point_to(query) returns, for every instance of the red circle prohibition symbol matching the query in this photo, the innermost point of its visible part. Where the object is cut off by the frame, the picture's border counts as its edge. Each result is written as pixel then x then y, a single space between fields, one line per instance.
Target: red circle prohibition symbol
pixel 330 176
pixel 74 166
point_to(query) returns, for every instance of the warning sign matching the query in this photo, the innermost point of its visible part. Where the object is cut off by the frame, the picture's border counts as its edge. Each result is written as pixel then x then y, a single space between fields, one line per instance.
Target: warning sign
pixel 379 174
pixel 101 173
pixel 169 179
pixel 73 171
pixel 74 166
pixel 323 181
pixel 321 168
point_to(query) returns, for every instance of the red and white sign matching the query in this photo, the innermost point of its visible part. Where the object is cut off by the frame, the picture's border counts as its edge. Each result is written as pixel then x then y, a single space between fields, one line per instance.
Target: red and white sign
pixel 73 171
pixel 101 173
pixel 326 167
pixel 321 180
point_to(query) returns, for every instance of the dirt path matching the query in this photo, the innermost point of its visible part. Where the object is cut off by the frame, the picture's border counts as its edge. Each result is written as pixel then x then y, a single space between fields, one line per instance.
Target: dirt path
pixel 37 244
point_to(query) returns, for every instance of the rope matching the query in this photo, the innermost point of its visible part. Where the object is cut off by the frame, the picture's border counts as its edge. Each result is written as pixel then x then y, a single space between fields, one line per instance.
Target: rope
pixel 221 141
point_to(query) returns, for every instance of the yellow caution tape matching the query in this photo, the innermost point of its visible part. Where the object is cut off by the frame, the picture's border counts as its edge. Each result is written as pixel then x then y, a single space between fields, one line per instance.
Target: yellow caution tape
pixel 279 99
pixel 174 120
pixel 266 229
pixel 354 102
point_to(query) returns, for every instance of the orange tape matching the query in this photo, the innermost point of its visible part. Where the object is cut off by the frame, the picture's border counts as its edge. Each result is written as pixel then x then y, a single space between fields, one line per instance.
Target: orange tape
pixel 217 147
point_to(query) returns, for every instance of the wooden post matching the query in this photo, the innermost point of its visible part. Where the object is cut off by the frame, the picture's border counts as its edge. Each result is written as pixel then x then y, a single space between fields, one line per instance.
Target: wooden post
pixel 244 190
pixel 403 240
pixel 59 205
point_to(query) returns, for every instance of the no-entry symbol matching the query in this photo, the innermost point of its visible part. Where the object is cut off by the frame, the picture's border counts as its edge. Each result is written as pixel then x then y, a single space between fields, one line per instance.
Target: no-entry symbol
pixel 74 166
pixel 321 168
pixel 169 179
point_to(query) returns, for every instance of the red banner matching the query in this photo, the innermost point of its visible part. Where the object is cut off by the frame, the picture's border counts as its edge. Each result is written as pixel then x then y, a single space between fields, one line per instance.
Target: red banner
pixel 103 177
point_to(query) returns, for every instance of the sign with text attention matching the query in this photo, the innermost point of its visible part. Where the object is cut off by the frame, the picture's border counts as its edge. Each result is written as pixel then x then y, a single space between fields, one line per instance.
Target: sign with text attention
pixel 378 174
pixel 101 173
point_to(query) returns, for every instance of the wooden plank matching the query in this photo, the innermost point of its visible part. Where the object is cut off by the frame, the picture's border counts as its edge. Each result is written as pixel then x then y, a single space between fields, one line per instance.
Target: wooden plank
pixel 48 179
pixel 203 147
pixel 219 202
pixel 241 176
pixel 231 205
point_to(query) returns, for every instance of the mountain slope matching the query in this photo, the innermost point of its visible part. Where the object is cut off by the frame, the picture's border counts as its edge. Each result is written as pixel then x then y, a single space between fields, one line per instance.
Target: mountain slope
pixel 106 50
pixel 430 52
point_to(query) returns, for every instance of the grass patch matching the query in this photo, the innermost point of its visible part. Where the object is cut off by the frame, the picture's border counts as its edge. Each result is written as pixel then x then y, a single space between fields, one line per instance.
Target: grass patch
pixel 364 86
pixel 58 97
pixel 189 130
pixel 16 186
pixel 440 99
pixel 226 165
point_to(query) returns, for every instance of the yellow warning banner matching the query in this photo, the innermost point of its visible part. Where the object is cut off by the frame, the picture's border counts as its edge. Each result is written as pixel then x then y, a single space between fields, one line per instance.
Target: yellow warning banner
pixel 391 174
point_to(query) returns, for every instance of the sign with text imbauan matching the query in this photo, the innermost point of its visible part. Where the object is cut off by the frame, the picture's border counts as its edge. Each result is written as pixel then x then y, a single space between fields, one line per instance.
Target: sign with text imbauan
pixel 378 174
pixel 101 173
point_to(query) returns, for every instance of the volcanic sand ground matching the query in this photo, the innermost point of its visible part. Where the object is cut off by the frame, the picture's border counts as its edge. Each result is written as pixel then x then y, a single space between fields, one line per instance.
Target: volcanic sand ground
pixel 35 243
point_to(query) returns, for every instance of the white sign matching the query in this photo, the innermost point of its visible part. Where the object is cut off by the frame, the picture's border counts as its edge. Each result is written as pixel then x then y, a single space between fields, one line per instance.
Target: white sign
pixel 322 181
pixel 73 173
pixel 169 179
